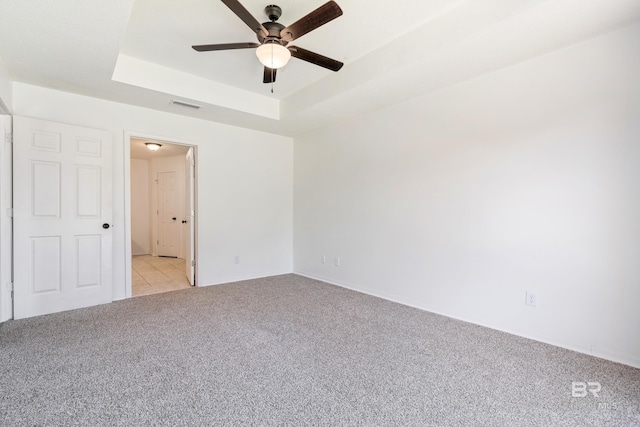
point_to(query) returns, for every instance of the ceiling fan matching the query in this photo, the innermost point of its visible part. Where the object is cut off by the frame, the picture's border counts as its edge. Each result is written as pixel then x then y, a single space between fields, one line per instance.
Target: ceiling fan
pixel 272 51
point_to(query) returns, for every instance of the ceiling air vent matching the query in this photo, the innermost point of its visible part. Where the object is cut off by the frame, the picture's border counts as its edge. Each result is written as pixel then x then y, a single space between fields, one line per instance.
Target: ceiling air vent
pixel 185 104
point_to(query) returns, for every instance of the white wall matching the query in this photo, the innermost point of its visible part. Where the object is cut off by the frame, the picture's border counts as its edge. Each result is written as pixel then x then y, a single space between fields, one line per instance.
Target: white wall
pixel 459 201
pixel 6 250
pixel 6 89
pixel 6 100
pixel 140 207
pixel 245 176
pixel 168 164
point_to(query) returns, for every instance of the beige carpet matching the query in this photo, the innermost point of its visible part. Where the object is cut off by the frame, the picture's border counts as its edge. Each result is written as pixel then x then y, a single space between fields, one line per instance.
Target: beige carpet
pixel 292 351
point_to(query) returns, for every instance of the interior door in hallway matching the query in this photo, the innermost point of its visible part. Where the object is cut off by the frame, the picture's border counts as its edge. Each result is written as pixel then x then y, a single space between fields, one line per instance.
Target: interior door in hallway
pixel 167 214
pixel 62 217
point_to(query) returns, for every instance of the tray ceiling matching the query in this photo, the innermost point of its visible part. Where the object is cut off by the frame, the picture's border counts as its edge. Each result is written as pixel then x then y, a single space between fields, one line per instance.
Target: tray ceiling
pixel 139 52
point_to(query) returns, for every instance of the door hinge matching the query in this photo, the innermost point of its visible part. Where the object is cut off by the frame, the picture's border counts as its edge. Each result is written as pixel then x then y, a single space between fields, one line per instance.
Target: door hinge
pixel 8 138
pixel 10 212
pixel 193 263
pixel 10 286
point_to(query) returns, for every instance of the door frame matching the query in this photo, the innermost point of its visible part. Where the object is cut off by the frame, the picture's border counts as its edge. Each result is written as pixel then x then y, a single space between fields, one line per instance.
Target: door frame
pixel 127 200
pixel 6 215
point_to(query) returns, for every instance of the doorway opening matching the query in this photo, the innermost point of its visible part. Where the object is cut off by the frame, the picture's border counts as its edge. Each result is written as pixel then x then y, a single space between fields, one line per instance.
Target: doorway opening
pixel 162 205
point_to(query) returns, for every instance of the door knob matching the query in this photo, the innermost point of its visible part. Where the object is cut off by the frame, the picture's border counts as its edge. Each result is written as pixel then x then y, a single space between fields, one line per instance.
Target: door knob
pixel 105 225
pixel 184 221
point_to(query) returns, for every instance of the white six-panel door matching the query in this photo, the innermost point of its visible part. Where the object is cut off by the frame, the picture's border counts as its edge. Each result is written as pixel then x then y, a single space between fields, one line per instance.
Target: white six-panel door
pixel 62 207
pixel 167 214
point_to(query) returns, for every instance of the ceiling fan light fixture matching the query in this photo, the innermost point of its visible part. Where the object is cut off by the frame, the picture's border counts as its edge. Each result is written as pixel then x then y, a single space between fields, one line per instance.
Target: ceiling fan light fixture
pixel 153 146
pixel 273 55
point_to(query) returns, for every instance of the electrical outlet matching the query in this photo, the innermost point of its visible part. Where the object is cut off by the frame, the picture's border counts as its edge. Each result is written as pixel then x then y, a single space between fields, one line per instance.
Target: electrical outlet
pixel 531 299
pixel 236 259
pixel 323 259
pixel 336 261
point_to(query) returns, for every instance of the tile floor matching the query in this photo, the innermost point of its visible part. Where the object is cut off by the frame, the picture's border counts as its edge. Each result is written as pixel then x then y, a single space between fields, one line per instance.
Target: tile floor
pixel 153 275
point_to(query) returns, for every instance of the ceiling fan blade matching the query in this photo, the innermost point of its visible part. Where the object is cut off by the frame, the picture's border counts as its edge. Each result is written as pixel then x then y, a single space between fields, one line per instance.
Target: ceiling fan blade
pixel 269 75
pixel 315 58
pixel 224 46
pixel 248 18
pixel 325 13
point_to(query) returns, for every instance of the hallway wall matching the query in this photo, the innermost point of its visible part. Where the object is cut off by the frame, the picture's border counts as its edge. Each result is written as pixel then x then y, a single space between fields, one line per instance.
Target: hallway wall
pixel 140 208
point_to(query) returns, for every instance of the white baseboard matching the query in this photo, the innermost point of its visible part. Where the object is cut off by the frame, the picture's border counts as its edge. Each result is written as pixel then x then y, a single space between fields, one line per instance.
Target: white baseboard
pixel 594 351
pixel 234 279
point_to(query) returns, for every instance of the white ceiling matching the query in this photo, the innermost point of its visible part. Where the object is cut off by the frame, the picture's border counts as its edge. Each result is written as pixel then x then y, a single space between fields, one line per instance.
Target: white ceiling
pixel 158 26
pixel 140 151
pixel 139 52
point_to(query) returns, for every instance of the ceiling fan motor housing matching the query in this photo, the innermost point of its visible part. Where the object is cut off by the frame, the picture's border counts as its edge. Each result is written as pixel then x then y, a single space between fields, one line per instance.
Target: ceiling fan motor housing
pixel 274 29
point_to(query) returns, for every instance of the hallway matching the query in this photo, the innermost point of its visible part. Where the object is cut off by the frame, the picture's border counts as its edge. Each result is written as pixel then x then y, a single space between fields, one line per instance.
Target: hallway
pixel 153 275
